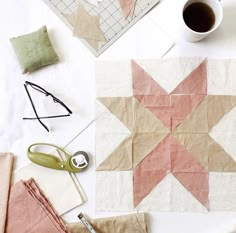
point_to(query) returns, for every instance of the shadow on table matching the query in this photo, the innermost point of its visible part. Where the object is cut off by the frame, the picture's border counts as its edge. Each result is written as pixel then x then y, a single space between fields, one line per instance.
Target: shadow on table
pixel 227 30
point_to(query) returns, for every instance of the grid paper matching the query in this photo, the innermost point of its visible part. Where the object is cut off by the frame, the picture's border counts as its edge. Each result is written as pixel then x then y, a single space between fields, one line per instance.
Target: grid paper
pixel 112 21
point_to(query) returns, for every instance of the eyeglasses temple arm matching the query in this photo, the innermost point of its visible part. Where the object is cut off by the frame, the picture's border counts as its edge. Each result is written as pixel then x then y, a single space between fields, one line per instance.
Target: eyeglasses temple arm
pixel 45 117
pixel 31 101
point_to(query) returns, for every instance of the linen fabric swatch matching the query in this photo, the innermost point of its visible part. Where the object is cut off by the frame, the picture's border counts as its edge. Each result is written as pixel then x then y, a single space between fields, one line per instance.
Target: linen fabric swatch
pixel 86 26
pixel 119 224
pixel 30 211
pixel 128 7
pixel 165 133
pixel 6 162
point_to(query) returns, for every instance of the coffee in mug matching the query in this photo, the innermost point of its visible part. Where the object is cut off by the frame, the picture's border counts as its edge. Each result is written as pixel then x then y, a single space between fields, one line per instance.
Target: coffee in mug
pixel 200 18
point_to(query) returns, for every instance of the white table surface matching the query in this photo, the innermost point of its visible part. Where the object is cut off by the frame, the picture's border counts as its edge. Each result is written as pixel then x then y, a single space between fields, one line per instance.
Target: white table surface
pixel 77 70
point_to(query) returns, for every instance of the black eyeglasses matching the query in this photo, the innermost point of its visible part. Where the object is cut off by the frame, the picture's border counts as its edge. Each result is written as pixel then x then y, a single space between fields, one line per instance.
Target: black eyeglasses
pixel 46 93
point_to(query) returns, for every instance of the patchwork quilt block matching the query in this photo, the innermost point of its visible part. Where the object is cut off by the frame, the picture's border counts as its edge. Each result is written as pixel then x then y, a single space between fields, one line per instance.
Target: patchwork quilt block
pixel 164 135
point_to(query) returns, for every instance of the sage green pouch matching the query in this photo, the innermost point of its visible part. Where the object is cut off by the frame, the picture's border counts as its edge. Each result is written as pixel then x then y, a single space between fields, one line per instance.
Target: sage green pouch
pixel 34 50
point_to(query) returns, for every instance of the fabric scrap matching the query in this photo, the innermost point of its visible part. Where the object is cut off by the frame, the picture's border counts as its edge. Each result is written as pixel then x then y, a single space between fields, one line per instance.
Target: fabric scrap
pixel 222 191
pixel 136 223
pixel 168 156
pixel 196 144
pixel 127 7
pixel 151 171
pixel 6 162
pixel 195 83
pixel 159 106
pixel 136 117
pixel 219 159
pixel 30 211
pixel 143 83
pixel 196 121
pixel 150 94
pixel 197 183
pixel 87 26
pixel 217 107
pixel 140 122
pixel 227 139
pixel 120 159
pixel 172 108
pixel 61 181
pixel 183 200
pixel 182 160
pixel 120 185
pixel 182 106
pixel 143 144
pixel 130 152
pixel 122 108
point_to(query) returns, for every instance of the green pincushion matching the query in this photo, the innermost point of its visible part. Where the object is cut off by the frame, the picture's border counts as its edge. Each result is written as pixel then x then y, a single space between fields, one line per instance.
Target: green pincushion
pixel 34 50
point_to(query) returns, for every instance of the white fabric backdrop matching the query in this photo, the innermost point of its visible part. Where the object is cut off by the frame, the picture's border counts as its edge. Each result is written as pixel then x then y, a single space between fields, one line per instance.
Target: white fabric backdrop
pixel 73 81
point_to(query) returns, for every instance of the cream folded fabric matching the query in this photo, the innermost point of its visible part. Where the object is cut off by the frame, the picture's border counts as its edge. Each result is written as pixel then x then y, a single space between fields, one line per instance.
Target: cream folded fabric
pixel 30 211
pixel 132 223
pixel 66 192
pixel 6 162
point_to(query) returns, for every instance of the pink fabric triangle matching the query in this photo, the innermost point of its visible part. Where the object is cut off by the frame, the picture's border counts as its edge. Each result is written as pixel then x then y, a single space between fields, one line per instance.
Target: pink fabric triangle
pixel 159 106
pixel 195 83
pixel 182 160
pixel 182 106
pixel 143 84
pixel 197 184
pixel 127 7
pixel 150 94
pixel 151 170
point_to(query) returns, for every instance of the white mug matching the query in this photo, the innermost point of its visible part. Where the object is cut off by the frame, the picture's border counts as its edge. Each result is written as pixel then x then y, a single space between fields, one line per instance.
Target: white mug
pixel 194 36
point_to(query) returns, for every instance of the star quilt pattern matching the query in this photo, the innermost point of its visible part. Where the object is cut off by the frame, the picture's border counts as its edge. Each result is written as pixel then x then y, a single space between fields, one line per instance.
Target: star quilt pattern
pixel 167 157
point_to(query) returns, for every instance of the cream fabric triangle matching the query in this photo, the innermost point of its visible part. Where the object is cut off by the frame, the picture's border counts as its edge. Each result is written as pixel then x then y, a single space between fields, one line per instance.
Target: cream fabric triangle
pixel 218 106
pixel 106 143
pixel 224 133
pixel 162 70
pixel 219 159
pixel 196 144
pixel 120 159
pixel 182 200
pixel 160 195
pixel 121 107
pixel 143 144
pixel 107 122
pixel 145 121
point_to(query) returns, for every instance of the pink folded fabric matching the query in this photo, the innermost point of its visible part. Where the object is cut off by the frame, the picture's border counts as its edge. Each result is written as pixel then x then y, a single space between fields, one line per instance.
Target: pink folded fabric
pixel 6 162
pixel 29 211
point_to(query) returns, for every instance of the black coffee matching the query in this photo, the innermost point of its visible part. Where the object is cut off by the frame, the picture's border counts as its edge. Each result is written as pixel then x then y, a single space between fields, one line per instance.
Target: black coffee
pixel 199 17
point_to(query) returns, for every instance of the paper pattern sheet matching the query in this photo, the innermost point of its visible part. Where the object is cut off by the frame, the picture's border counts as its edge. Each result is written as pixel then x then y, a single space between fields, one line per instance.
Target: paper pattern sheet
pixel 164 135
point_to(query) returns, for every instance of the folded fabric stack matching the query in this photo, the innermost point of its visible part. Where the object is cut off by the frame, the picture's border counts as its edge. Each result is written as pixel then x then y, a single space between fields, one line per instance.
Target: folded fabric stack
pixel 24 208
pixel 6 162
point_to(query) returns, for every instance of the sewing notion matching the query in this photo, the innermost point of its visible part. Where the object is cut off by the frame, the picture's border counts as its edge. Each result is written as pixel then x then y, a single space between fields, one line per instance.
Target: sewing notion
pixel 72 163
pixel 86 223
